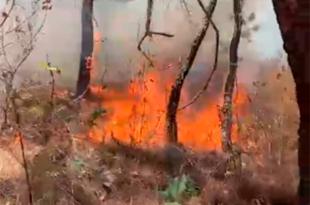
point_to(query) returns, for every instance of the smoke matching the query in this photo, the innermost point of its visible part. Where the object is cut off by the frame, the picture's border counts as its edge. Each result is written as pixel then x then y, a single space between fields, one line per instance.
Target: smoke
pixel 122 24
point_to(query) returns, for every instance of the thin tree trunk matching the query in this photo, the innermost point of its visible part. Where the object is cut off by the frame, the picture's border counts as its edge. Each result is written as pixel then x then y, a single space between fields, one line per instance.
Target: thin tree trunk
pixel 86 48
pixel 294 21
pixel 175 94
pixel 227 109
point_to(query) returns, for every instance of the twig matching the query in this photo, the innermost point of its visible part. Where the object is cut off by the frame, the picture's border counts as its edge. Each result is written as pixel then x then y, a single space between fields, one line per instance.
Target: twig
pixel 30 48
pixel 25 165
pixel 7 14
pixel 7 77
pixel 53 87
pixel 217 39
pixel 11 93
pixel 161 34
pixel 22 22
pixel 4 51
pixel 52 81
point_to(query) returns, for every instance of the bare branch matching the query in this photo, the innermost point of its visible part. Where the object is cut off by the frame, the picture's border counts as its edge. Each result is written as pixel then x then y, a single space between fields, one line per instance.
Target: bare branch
pixel 217 39
pixel 161 34
pixel 11 68
pixel 27 19
pixel 7 77
pixel 143 52
pixel 148 32
pixel 4 51
pixel 7 14
pixel 31 46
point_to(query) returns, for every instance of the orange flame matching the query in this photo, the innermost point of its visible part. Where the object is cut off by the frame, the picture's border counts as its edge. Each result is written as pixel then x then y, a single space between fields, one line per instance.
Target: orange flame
pixel 137 113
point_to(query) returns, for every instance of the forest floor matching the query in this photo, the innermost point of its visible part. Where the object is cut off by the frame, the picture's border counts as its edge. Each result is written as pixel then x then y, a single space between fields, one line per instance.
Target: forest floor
pixel 66 168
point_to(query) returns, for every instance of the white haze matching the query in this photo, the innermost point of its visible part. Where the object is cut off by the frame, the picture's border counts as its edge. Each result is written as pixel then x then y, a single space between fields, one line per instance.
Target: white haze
pixel 120 21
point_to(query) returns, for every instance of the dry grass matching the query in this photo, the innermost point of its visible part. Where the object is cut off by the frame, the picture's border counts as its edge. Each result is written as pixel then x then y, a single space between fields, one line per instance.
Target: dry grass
pixel 69 170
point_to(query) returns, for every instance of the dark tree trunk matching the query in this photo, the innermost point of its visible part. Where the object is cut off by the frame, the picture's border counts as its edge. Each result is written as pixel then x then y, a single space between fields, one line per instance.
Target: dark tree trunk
pixel 175 94
pixel 227 109
pixel 294 21
pixel 86 48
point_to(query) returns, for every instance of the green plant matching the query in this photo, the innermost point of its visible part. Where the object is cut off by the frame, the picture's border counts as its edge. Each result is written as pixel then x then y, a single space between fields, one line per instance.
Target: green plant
pixel 178 189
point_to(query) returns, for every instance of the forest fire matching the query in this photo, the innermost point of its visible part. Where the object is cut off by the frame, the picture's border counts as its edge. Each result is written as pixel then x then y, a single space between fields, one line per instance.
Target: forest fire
pixel 140 101
pixel 137 115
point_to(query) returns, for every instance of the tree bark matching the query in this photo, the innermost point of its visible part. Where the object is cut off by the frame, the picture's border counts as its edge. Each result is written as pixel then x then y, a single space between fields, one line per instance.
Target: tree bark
pixel 86 48
pixel 227 109
pixel 294 22
pixel 175 94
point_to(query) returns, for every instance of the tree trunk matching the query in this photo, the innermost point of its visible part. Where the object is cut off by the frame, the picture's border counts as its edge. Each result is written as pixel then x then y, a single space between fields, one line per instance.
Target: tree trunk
pixel 294 21
pixel 175 94
pixel 86 48
pixel 227 109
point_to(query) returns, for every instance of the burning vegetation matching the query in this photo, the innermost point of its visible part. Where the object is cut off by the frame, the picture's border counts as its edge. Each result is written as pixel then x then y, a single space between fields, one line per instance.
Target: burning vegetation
pixel 136 115
pixel 154 138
